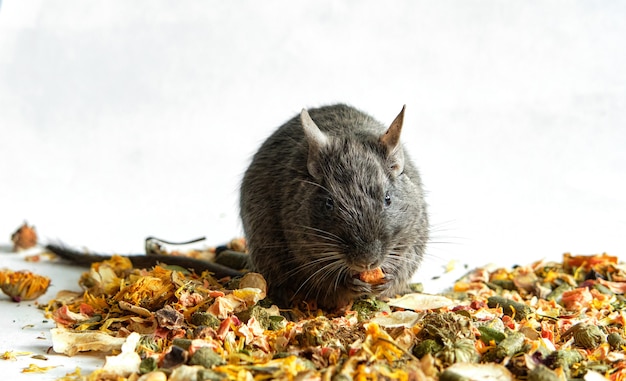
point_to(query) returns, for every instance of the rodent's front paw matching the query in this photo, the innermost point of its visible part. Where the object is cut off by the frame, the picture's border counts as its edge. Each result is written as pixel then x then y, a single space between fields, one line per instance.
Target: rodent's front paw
pixel 389 282
pixel 358 287
pixel 380 288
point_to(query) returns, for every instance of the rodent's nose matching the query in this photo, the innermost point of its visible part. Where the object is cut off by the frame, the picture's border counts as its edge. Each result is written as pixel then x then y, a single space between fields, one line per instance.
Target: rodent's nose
pixel 367 256
pixel 364 263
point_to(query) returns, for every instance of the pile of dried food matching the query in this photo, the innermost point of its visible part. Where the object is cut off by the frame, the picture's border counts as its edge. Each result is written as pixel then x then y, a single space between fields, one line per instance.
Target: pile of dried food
pixel 544 321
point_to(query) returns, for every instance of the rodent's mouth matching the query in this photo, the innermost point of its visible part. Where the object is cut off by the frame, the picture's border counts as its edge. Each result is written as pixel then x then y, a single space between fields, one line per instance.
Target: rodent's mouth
pixel 356 272
pixel 355 269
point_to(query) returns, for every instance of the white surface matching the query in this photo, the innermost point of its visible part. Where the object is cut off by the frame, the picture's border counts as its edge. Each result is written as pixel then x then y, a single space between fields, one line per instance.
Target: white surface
pixel 120 120
pixel 24 327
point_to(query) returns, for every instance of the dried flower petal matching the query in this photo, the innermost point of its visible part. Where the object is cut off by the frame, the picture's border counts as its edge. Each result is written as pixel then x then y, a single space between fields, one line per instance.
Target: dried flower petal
pixel 33 368
pixel 521 319
pixel 23 285
pixel 463 371
pixel 11 355
pixel 71 342
pixel 128 361
pixel 24 237
pixel 576 299
pixel 421 302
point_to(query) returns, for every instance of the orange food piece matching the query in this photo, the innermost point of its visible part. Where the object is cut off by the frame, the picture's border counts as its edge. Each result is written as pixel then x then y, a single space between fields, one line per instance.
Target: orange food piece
pixel 576 299
pixel 588 261
pixel 374 276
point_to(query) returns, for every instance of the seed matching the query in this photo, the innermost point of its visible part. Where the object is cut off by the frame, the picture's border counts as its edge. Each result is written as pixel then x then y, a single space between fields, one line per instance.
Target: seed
pixel 588 336
pixel 616 341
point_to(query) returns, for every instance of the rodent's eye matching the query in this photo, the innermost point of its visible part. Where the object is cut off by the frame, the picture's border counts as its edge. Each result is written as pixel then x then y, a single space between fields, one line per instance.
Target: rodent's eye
pixel 329 204
pixel 387 199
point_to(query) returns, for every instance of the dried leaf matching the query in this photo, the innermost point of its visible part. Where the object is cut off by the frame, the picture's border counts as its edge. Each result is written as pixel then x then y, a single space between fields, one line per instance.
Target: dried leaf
pixel 421 302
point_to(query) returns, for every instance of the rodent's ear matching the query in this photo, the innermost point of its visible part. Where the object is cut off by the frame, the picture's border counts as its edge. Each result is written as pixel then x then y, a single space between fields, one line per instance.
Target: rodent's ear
pixel 391 142
pixel 316 140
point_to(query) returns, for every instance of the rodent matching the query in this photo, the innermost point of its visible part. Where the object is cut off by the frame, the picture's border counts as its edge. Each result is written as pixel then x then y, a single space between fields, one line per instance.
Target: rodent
pixel 330 194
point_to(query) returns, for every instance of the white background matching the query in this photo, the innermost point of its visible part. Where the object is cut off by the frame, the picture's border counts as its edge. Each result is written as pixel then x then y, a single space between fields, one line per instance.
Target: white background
pixel 120 120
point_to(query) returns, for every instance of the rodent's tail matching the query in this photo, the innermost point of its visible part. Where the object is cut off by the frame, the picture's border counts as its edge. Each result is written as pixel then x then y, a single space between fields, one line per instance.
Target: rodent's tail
pixel 144 261
pixel 82 258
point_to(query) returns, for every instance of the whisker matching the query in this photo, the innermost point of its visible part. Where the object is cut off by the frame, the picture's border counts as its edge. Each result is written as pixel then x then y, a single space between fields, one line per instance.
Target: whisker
pixel 333 257
pixel 323 233
pixel 313 276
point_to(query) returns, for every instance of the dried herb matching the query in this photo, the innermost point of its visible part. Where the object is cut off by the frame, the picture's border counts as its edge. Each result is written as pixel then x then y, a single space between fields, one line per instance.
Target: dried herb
pixel 23 285
pixel 544 321
pixel 24 237
pixel 510 307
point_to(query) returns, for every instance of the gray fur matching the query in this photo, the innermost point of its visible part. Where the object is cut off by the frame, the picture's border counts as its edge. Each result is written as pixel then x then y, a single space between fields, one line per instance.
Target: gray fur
pixel 311 248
